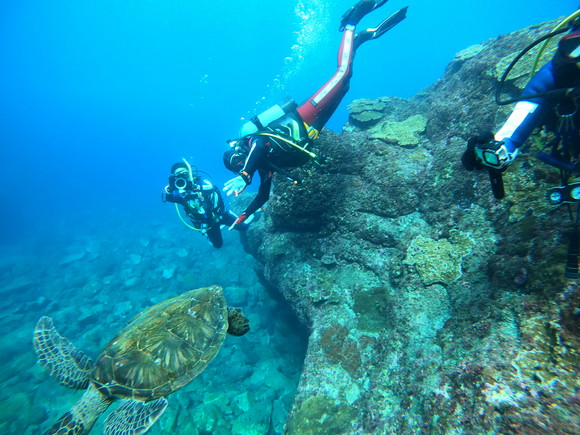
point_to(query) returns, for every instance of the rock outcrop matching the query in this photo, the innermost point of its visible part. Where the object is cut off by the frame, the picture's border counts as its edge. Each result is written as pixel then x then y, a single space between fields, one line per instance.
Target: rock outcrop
pixel 432 306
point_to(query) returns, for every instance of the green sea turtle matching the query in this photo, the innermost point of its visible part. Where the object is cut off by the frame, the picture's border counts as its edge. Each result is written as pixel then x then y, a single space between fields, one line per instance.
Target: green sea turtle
pixel 158 352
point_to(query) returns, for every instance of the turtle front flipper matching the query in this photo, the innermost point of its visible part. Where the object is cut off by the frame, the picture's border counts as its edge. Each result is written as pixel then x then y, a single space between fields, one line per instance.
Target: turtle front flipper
pixel 134 417
pixel 68 365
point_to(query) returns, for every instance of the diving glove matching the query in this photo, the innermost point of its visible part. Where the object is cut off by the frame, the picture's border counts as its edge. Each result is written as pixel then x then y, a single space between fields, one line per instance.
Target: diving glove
pixel 235 186
pixel 239 220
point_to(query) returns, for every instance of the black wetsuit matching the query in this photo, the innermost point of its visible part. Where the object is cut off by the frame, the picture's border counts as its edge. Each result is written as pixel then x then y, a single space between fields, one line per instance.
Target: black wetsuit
pixel 311 115
pixel 205 208
pixel 258 161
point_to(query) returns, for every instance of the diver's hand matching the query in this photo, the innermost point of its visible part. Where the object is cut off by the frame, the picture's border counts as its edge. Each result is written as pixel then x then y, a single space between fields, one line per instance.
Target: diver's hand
pixel 495 155
pixel 484 151
pixel 235 186
pixel 240 219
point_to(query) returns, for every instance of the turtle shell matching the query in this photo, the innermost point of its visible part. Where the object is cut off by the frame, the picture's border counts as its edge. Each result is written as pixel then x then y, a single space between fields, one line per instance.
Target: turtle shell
pixel 164 347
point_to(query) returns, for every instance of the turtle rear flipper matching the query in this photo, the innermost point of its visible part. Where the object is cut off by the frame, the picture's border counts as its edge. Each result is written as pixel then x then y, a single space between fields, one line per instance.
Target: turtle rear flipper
pixel 83 415
pixel 134 417
pixel 68 365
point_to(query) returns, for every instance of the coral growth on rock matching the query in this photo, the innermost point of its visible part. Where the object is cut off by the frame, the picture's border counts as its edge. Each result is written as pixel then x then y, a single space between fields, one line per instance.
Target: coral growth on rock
pixel 405 133
pixel 433 307
pixel 365 112
pixel 438 260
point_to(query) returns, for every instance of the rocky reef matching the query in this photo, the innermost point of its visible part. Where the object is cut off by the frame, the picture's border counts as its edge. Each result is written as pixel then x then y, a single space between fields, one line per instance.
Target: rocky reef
pixel 432 306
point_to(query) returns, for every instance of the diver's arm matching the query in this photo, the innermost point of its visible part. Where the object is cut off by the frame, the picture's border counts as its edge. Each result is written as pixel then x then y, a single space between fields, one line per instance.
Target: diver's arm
pixel 528 114
pixel 263 193
pixel 174 196
pixel 256 158
pixel 260 199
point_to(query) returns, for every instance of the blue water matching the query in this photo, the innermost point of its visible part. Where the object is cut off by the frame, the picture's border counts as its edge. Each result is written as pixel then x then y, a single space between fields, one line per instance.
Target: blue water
pixel 99 98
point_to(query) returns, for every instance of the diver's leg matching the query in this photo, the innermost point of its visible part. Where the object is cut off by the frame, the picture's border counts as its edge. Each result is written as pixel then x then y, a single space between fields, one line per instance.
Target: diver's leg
pixel 214 234
pixel 318 109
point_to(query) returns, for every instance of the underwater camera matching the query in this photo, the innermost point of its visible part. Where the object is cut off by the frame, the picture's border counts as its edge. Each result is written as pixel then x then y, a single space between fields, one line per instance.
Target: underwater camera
pixel 496 180
pixel 179 182
pixel 484 151
pixel 493 155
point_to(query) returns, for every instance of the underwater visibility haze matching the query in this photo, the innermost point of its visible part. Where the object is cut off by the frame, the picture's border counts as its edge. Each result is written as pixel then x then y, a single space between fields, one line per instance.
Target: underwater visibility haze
pixel 99 99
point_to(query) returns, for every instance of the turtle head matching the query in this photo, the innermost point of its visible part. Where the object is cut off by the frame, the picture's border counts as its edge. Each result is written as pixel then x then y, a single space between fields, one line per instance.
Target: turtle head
pixel 238 323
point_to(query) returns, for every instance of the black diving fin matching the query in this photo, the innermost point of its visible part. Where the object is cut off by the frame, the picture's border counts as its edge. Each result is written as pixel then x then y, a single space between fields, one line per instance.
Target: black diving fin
pixel 385 26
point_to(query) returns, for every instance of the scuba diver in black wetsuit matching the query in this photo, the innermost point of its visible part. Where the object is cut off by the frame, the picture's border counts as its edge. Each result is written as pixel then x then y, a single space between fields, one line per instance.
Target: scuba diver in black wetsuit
pixel 552 100
pixel 201 201
pixel 279 138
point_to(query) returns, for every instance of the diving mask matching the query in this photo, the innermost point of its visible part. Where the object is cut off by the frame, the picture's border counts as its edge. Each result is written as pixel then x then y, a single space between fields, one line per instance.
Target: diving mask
pixel 235 158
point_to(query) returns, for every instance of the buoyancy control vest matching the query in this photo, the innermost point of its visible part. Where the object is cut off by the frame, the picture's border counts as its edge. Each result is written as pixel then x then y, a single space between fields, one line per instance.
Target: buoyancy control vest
pixel 286 132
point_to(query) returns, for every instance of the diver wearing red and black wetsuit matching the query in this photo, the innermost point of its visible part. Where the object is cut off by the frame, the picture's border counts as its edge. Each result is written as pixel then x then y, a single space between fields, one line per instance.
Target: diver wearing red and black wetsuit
pixel 253 152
